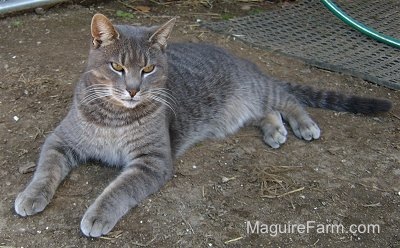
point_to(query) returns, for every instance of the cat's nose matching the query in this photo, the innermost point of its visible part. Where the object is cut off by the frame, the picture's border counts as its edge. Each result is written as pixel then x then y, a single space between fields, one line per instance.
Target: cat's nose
pixel 132 92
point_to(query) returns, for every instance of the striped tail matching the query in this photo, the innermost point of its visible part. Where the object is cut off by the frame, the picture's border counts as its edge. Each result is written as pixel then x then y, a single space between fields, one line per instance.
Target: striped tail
pixel 332 100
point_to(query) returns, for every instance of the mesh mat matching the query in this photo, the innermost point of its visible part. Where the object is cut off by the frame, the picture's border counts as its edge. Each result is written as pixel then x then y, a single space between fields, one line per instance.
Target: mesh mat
pixel 307 30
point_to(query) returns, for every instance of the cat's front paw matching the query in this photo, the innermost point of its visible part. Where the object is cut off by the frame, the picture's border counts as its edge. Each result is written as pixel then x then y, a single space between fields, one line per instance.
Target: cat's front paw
pixel 30 203
pixel 97 222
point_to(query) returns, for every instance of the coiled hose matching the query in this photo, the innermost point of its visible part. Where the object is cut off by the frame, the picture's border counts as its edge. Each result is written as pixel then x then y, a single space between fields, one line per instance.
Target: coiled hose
pixel 359 26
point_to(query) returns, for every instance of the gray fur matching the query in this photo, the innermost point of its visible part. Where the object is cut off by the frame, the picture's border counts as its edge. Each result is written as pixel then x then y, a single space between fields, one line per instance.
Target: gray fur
pixel 196 92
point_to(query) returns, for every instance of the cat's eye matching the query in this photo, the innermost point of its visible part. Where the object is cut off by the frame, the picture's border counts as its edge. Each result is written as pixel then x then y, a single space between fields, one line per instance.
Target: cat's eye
pixel 117 67
pixel 148 69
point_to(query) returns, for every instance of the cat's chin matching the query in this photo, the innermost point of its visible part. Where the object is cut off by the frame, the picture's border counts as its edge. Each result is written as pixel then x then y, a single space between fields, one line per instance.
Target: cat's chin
pixel 130 103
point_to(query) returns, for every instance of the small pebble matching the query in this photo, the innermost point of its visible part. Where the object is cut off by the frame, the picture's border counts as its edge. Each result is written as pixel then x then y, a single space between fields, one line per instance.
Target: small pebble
pixel 246 7
pixel 225 179
pixel 40 11
pixel 376 119
pixel 16 118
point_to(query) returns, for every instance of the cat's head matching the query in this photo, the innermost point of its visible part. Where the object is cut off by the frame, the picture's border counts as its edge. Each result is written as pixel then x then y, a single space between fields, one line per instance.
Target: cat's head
pixel 127 64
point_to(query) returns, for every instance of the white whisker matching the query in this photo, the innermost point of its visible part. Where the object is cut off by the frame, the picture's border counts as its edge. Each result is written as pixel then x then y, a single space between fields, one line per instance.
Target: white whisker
pixel 93 96
pixel 89 100
pixel 164 93
pixel 162 101
pixel 99 91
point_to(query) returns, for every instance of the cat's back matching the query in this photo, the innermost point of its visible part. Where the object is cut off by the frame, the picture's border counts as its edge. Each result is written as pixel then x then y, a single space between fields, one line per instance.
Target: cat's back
pixel 199 67
pixel 196 51
pixel 199 73
pixel 200 60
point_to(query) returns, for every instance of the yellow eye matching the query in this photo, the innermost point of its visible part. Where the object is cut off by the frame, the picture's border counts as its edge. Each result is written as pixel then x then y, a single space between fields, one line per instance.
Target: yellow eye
pixel 117 67
pixel 148 69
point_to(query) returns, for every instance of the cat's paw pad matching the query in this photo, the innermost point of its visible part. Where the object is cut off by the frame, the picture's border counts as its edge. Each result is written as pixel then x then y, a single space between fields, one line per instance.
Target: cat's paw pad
pixel 308 130
pixel 275 137
pixel 96 223
pixel 29 203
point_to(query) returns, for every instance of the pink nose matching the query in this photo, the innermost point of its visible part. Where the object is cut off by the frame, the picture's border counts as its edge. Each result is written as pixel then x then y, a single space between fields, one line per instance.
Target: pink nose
pixel 132 92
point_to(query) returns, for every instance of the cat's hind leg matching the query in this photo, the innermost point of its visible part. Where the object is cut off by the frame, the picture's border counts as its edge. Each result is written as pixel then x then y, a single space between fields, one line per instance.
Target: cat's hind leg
pixel 274 132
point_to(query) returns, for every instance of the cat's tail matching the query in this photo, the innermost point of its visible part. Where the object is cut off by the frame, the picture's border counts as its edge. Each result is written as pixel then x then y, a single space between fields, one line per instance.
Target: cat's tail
pixel 337 101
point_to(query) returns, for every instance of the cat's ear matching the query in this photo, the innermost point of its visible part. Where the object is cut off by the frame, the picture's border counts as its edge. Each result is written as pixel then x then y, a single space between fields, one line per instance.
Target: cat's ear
pixel 161 35
pixel 103 32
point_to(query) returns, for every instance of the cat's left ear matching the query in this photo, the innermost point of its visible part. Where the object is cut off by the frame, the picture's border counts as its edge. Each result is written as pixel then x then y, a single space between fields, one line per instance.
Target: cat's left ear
pixel 161 35
pixel 103 32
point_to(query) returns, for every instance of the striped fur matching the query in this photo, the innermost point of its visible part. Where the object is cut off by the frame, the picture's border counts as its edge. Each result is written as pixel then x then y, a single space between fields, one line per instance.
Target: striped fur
pixel 337 101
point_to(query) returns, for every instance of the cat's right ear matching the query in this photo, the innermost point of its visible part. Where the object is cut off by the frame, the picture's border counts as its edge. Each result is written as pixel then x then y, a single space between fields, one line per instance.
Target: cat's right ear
pixel 103 32
pixel 161 35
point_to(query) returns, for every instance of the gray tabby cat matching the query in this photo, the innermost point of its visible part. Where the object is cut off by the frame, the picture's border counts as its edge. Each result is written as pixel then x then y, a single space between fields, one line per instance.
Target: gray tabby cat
pixel 139 105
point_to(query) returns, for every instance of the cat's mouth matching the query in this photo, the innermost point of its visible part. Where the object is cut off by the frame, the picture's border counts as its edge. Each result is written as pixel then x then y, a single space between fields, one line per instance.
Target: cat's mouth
pixel 130 102
pixel 126 100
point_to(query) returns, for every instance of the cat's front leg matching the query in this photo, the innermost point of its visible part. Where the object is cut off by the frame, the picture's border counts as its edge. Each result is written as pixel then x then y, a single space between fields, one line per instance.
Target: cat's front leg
pixel 144 176
pixel 55 162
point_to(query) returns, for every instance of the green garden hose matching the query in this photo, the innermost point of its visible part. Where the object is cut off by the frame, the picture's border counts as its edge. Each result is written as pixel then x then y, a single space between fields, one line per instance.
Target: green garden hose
pixel 359 26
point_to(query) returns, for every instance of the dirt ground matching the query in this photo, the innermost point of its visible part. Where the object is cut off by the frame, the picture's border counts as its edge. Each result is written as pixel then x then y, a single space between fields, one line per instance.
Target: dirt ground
pixel 349 176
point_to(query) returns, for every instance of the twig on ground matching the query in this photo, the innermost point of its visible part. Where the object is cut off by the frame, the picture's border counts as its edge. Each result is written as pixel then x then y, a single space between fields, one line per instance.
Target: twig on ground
pixel 112 235
pixel 378 204
pixel 284 194
pixel 233 240
pixel 395 116
pixel 145 244
pixel 186 222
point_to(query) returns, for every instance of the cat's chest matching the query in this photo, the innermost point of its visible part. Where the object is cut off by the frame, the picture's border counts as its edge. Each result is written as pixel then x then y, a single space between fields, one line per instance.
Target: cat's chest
pixel 112 146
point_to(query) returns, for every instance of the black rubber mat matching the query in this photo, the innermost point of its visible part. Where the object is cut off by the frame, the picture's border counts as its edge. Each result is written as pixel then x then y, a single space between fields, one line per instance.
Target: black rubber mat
pixel 309 31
